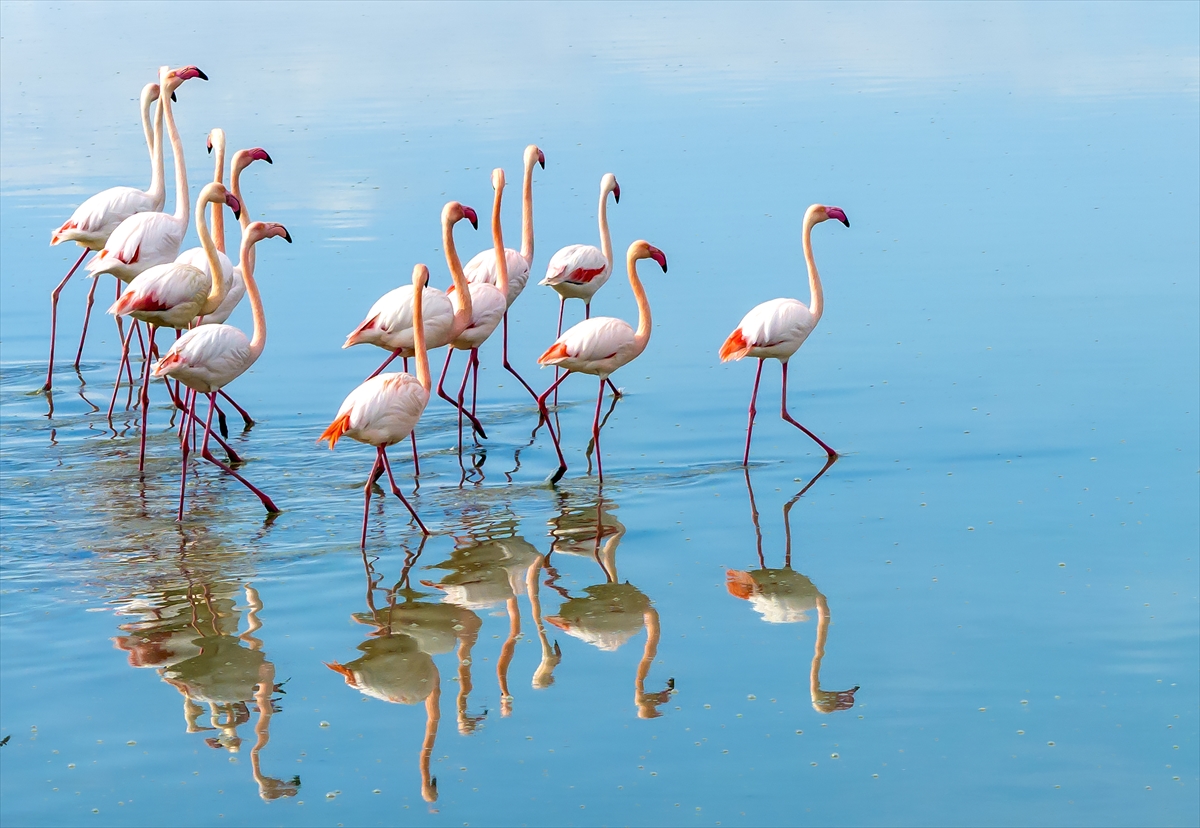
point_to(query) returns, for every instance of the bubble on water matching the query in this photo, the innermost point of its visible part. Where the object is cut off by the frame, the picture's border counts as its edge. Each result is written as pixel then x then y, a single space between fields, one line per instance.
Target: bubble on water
pixel 324 724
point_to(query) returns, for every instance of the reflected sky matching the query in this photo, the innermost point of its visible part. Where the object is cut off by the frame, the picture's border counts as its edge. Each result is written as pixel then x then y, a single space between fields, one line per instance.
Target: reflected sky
pixel 1002 564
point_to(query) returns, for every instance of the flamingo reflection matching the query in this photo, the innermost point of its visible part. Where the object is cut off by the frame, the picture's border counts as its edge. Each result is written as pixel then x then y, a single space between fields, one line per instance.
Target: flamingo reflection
pixel 784 596
pixel 608 614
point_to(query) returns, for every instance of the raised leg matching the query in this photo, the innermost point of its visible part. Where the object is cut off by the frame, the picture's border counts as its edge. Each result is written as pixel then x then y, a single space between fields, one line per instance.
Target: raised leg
pixel 596 432
pixel 544 414
pixel 616 391
pixel 396 491
pixel 54 316
pixel 753 411
pixel 788 417
pixel 508 367
pixel 145 402
pixel 376 471
pixel 246 418
pixel 208 455
pixel 87 315
pixel 386 363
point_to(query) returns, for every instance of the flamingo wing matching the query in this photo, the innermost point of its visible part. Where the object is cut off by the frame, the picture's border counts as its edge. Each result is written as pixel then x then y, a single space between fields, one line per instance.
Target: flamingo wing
pixel 577 264
pixel 159 290
pixel 482 269
pixel 142 240
pixel 381 411
pixel 592 339
pixel 100 215
pixel 207 357
pixel 389 322
pixel 778 326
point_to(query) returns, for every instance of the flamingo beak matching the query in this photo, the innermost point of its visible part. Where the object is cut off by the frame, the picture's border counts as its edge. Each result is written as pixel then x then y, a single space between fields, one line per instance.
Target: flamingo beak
pixel 617 193
pixel 659 257
pixel 234 205
pixel 542 159
pixel 209 142
pixel 173 98
pixel 470 216
pixel 260 154
pixel 839 214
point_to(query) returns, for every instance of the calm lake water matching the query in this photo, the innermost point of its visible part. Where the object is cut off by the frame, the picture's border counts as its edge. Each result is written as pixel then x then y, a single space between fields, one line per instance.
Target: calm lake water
pixel 1004 561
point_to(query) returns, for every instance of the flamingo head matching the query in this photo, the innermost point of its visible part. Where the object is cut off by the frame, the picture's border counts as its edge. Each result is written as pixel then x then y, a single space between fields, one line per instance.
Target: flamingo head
pixel 497 179
pixel 216 192
pixel 534 155
pixel 644 250
pixel 420 277
pixel 171 79
pixel 244 158
pixel 822 213
pixel 609 184
pixel 455 212
pixel 216 138
pixel 266 230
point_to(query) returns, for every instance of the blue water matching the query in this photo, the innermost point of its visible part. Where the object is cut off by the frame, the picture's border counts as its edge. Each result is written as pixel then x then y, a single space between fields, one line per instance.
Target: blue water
pixel 1003 561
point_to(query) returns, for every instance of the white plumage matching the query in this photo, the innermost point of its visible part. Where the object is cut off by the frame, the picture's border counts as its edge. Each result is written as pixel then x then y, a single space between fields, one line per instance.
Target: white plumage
pixel 482 270
pixel 777 328
pixel 167 295
pixel 140 242
pixel 95 220
pixel 207 358
pixel 383 410
pixel 235 291
pixel 488 305
pixel 389 322
pixel 577 271
pixel 599 346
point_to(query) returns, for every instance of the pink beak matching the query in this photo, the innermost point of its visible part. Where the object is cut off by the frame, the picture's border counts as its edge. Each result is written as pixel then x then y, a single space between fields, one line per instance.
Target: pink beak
pixel 839 214
pixel 617 193
pixel 234 205
pixel 659 257
pixel 542 159
pixel 470 216
pixel 259 154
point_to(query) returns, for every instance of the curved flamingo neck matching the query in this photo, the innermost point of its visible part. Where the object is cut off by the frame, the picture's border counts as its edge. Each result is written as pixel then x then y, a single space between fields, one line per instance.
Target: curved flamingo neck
pixel 419 335
pixel 641 337
pixel 817 305
pixel 527 211
pixel 498 243
pixel 235 187
pixel 462 316
pixel 216 293
pixel 157 189
pixel 218 209
pixel 259 340
pixel 605 238
pixel 181 185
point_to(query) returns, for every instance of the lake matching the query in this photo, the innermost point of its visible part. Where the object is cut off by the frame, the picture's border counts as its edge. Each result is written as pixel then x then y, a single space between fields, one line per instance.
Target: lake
pixel 1003 561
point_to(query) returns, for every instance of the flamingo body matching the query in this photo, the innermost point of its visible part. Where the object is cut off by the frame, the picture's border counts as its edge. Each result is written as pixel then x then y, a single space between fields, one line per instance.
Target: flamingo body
pixel 389 322
pixel 488 305
pixel 598 346
pixel 140 242
pixel 380 412
pixel 207 358
pixel 577 271
pixel 482 270
pixel 235 287
pixel 95 220
pixel 166 295
pixel 773 330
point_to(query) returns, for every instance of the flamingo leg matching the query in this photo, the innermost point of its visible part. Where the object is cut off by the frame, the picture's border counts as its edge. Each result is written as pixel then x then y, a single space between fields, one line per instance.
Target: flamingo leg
pixel 210 457
pixel 406 365
pixel 587 309
pixel 442 393
pixel 545 415
pixel 145 401
pixel 54 315
pixel 376 471
pixel 596 433
pixel 388 362
pixel 616 391
pixel 181 403
pixel 246 418
pixel 124 363
pixel 185 447
pixel 396 490
pixel 784 413
pixel 753 411
pixel 474 379
pixel 462 390
pixel 120 323
pixel 509 367
pixel 87 316
pixel 562 303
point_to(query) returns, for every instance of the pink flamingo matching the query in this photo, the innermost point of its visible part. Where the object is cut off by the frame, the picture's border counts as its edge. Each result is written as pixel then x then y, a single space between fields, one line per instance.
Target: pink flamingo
pixel 482 268
pixel 776 329
pixel 173 295
pixel 385 409
pixel 94 221
pixel 209 357
pixel 389 322
pixel 489 303
pixel 600 346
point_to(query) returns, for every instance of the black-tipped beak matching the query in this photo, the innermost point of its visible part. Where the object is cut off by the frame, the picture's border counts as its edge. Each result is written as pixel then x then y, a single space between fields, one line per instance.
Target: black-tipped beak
pixel 237 214
pixel 846 222
pixel 200 74
pixel 287 236
pixel 267 157
pixel 174 98
pixel 617 195
pixel 210 147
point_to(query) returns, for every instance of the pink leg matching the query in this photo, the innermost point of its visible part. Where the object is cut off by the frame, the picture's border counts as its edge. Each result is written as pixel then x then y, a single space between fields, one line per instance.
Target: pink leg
pixel 596 433
pixel 54 316
pixel 562 303
pixel 462 390
pixel 397 493
pixel 376 471
pixel 753 411
pixel 386 363
pixel 87 315
pixel 151 329
pixel 509 367
pixel 183 405
pixel 120 324
pixel 185 447
pixel 474 379
pixel 784 412
pixel 124 363
pixel 246 418
pixel 406 365
pixel 544 414
pixel 616 391
pixel 587 309
pixel 208 455
pixel 442 393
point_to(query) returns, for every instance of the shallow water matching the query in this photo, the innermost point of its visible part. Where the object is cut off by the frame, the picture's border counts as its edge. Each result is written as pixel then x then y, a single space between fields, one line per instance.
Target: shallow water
pixel 1003 561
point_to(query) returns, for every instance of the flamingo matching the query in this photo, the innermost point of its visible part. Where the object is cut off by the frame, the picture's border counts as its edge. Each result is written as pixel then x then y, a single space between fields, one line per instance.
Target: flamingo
pixel 776 329
pixel 389 322
pixel 94 221
pixel 384 410
pixel 579 270
pixel 209 357
pixel 146 239
pixel 482 268
pixel 600 346
pixel 489 303
pixel 173 295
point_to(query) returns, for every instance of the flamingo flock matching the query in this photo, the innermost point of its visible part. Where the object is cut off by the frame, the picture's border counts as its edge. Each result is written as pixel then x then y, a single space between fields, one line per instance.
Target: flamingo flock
pixel 195 291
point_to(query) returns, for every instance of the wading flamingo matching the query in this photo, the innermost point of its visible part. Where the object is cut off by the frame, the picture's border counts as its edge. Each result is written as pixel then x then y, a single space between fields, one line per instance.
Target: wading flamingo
pixel 776 329
pixel 600 346
pixel 389 322
pixel 209 357
pixel 384 410
pixel 488 305
pixel 94 221
pixel 482 268
pixel 173 295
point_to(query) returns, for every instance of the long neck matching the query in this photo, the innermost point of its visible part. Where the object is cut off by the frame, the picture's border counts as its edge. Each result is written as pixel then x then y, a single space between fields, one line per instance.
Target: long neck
pixel 605 238
pixel 218 209
pixel 216 293
pixel 235 187
pixel 641 337
pixel 153 132
pixel 527 212
pixel 456 273
pixel 498 242
pixel 817 304
pixel 259 339
pixel 419 337
pixel 814 675
pixel 181 185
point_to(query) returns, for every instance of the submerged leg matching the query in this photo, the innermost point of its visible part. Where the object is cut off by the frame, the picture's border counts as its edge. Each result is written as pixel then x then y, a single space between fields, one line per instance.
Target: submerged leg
pixel 87 316
pixel 396 490
pixel 543 414
pixel 185 447
pixel 376 471
pixel 788 417
pixel 145 401
pixel 246 418
pixel 462 390
pixel 753 411
pixel 54 315
pixel 208 455
pixel 442 393
pixel 124 363
pixel 596 432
